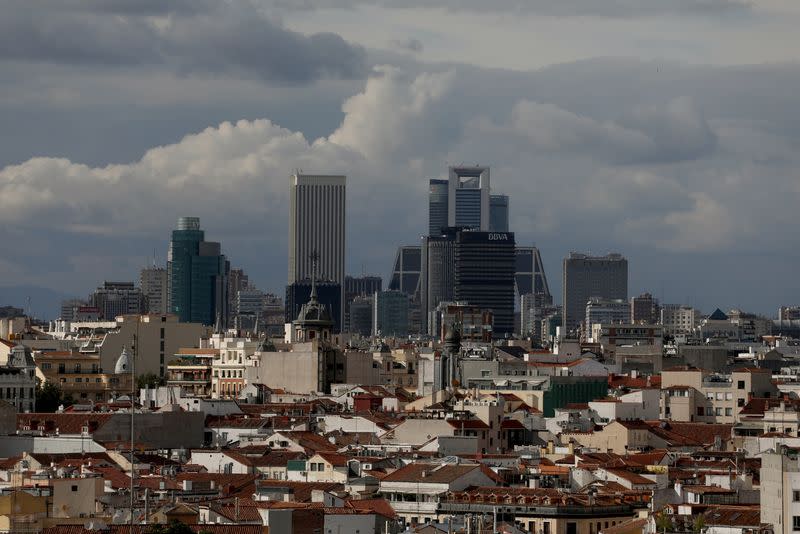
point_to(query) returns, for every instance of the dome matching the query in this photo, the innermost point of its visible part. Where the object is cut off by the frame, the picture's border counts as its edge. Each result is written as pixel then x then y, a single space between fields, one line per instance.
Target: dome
pixel 124 362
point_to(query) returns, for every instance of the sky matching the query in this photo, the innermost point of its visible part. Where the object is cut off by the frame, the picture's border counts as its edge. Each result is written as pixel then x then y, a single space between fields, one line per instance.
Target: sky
pixel 666 131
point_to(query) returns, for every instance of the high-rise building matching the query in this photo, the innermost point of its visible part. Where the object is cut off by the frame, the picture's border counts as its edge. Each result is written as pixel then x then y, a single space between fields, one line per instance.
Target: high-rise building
pixel 644 309
pixel 197 275
pixel 317 230
pixel 329 294
pixel 391 314
pixel 678 319
pixel 529 277
pixel 69 308
pixel 437 274
pixel 407 269
pixel 484 275
pixel 361 311
pixel 117 298
pixel 437 206
pixel 355 286
pixel 153 283
pixel 468 192
pixel 498 213
pixel 586 276
pixel 606 311
pixel 789 313
pixel 237 281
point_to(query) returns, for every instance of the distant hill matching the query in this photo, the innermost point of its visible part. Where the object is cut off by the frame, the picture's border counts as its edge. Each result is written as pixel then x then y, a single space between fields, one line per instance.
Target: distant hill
pixel 45 302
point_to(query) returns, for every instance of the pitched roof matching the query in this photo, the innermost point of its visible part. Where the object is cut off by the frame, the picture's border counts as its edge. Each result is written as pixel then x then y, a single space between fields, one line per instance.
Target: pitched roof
pixel 430 473
pixel 718 315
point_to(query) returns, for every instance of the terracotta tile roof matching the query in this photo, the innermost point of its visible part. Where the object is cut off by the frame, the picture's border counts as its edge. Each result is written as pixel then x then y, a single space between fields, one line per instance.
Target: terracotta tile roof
pixel 377 506
pixel 66 423
pixel 228 484
pixel 334 458
pixel 310 441
pixel 468 423
pixel 702 434
pixel 301 491
pixel 143 529
pixel 430 473
pixel 246 511
pixel 633 478
pixel 632 526
pixel 733 516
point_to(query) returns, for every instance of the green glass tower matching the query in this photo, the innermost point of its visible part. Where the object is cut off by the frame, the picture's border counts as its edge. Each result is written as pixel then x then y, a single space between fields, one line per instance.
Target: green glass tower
pixel 197 275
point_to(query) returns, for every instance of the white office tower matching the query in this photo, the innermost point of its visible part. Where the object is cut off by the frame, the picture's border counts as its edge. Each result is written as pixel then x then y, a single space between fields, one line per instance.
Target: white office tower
pixel 317 227
pixel 468 197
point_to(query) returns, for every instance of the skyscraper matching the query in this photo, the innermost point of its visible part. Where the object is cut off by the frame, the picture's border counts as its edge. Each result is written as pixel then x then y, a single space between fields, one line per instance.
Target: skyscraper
pixel 391 314
pixel 586 276
pixel 117 298
pixel 437 274
pixel 197 274
pixel 529 277
pixel 437 206
pixel 317 229
pixel 468 197
pixel 484 275
pixel 498 213
pixel 153 282
pixel 358 286
pixel 407 268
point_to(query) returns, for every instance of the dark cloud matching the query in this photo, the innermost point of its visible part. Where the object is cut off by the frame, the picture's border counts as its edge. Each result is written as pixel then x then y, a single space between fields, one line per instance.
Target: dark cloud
pixel 560 8
pixel 217 38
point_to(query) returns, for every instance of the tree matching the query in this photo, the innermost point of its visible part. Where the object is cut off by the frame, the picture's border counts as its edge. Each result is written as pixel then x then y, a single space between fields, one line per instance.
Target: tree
pixel 149 380
pixel 175 527
pixel 49 397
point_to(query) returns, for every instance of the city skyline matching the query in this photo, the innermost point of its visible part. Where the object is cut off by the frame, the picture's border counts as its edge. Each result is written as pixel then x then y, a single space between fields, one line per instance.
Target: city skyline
pixel 653 156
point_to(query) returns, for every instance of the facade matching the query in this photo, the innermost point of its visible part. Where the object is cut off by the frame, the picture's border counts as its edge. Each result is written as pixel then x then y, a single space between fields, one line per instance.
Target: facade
pixel 586 276
pixel 697 395
pixel 498 213
pixel 644 309
pixel 358 286
pixel 228 365
pixel 197 274
pixel 678 320
pixel 606 311
pixel 18 380
pixel 117 298
pixel 361 312
pixel 468 192
pixel 437 206
pixel 81 375
pixel 191 370
pixel 153 284
pixel 407 270
pixel 476 323
pixel 317 211
pixel 529 277
pixel 789 313
pixel 329 293
pixel 391 314
pixel 156 338
pixel 438 274
pixel 780 489
pixel 484 275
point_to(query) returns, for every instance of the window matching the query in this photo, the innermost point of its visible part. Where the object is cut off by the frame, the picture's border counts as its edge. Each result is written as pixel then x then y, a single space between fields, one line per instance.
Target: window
pixel 77 368
pixel 74 487
pixel 313 466
pixel 719 395
pixel 796 523
pixel 740 384
pixel 717 411
pixel 701 410
pixel 729 396
pixel 795 495
pixel 728 411
pixel 739 402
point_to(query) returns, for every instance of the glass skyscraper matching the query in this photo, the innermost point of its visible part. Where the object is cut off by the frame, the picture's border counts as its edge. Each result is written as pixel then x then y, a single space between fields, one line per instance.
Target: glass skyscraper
pixel 498 213
pixel 484 275
pixel 437 206
pixel 197 273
